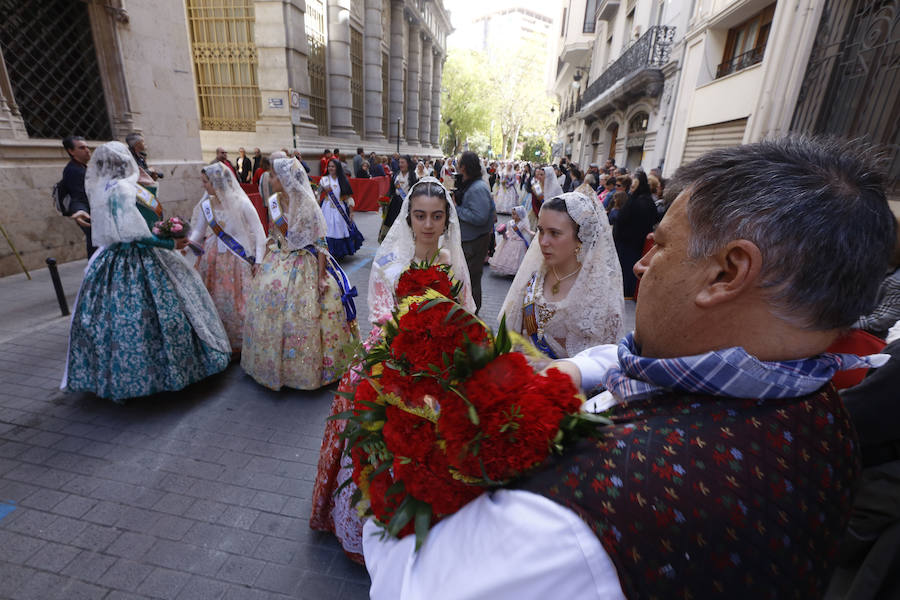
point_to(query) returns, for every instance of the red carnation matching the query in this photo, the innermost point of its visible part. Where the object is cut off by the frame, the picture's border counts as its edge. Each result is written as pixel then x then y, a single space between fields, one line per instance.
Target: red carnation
pixel 414 282
pixel 426 335
pixel 519 414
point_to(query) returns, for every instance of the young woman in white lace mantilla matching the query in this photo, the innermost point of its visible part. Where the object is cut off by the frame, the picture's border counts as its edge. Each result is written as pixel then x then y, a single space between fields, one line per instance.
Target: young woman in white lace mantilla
pixel 426 229
pixel 567 294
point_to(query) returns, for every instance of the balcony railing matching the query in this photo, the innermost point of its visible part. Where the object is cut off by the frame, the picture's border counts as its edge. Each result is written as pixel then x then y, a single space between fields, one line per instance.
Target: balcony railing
pixel 650 51
pixel 741 61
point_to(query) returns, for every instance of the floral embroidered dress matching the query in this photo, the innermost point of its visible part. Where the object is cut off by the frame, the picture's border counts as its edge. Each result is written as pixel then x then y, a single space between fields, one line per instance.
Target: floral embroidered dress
pixel 336 513
pixel 143 322
pixel 293 335
pixel 507 195
pixel 226 268
pixel 512 246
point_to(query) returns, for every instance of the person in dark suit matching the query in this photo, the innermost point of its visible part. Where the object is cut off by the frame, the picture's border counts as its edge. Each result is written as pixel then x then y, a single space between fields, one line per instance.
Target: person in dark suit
pixel 257 158
pixel 79 209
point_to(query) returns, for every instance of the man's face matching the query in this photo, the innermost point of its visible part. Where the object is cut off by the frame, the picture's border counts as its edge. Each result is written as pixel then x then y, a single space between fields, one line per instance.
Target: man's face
pixel 666 315
pixel 221 154
pixel 81 153
pixel 256 152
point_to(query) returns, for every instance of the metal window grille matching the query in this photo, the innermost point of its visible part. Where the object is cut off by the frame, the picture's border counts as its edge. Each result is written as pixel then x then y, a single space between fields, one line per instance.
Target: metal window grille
pixel 52 66
pixel 225 61
pixel 356 80
pixel 385 93
pixel 315 38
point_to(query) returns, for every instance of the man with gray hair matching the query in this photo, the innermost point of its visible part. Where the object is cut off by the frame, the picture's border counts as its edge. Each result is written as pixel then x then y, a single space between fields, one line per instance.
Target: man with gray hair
pixel 730 461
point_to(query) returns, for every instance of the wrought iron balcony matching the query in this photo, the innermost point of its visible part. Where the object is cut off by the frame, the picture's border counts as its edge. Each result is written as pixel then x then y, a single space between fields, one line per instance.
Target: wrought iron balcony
pixel 741 61
pixel 650 51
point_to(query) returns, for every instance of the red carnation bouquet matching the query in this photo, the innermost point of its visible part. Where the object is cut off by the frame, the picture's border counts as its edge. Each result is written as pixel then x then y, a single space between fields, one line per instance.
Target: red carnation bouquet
pixel 446 410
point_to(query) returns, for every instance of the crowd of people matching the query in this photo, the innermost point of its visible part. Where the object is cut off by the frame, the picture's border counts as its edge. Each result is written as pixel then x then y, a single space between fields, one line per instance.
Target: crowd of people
pixel 753 263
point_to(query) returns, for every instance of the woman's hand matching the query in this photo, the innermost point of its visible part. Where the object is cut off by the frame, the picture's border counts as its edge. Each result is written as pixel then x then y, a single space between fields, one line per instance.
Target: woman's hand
pixel 323 284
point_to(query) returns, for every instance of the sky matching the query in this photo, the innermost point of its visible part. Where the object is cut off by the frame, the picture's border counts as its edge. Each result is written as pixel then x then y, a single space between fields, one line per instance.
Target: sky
pixel 462 11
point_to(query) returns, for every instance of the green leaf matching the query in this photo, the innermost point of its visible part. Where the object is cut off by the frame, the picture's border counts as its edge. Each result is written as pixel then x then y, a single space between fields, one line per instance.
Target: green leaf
pixel 405 512
pixel 423 523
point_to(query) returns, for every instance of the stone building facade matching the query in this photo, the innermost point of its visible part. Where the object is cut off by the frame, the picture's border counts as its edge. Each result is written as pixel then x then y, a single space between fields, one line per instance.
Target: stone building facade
pixel 100 69
pixel 318 74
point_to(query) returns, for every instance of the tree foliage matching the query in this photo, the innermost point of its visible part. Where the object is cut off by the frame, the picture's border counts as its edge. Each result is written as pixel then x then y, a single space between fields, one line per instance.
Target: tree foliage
pixel 511 102
pixel 465 102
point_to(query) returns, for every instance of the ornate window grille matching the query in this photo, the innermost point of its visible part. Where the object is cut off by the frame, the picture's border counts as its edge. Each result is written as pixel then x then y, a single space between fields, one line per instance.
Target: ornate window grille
pixel 52 66
pixel 315 38
pixel 385 93
pixel 225 61
pixel 356 80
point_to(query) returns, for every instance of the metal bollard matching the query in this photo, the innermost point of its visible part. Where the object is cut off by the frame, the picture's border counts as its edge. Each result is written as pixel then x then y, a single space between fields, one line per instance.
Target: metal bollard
pixel 57 285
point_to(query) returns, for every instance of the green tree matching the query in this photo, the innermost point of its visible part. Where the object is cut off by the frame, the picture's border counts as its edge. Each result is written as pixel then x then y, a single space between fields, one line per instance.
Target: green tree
pixel 466 103
pixel 535 149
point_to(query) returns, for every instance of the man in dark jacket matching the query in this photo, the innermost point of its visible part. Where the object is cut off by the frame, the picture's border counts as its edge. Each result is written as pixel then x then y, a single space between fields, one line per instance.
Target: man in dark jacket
pixel 475 209
pixel 73 186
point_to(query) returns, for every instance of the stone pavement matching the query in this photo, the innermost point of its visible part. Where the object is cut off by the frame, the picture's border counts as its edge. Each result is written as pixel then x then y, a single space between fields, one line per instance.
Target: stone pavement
pixel 203 493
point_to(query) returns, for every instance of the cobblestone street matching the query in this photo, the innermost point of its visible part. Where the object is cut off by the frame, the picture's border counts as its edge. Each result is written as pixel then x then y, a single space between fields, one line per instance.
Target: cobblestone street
pixel 203 493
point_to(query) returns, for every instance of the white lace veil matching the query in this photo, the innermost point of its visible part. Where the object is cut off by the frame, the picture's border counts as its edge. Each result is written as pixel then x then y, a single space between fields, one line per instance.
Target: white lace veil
pixel 551 187
pixel 236 213
pixel 111 186
pixel 306 223
pixel 594 308
pixel 397 251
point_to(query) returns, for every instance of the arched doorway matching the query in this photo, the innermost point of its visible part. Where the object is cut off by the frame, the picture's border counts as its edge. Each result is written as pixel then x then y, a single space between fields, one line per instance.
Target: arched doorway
pixel 637 133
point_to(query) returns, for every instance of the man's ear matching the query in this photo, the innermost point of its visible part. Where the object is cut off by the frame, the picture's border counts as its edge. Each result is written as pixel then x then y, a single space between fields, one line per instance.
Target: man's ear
pixel 733 270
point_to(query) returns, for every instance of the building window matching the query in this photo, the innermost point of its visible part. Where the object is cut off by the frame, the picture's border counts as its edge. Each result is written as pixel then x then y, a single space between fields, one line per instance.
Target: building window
pixel 315 39
pixel 356 80
pixel 590 17
pixel 746 43
pixel 52 66
pixel 385 96
pixel 225 61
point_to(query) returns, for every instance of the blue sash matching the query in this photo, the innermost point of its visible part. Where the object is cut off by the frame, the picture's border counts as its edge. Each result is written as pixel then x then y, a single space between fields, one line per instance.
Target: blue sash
pixel 348 292
pixel 520 234
pixel 232 244
pixel 530 321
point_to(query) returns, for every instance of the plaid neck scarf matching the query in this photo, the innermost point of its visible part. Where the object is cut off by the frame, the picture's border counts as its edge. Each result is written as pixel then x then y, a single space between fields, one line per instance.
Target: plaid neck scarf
pixel 730 372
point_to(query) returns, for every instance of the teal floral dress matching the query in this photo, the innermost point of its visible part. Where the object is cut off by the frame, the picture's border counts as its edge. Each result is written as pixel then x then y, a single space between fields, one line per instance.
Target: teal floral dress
pixel 143 322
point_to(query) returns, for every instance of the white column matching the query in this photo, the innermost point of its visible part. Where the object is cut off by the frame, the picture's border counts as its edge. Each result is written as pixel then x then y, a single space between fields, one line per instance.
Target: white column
pixel 413 60
pixel 372 64
pixel 340 99
pixel 395 108
pixel 437 72
pixel 425 93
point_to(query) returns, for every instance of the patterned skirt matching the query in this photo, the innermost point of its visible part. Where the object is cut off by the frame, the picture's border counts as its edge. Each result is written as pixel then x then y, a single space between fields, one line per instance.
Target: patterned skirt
pixel 228 279
pixel 292 337
pixel 143 324
pixel 509 254
pixel 330 512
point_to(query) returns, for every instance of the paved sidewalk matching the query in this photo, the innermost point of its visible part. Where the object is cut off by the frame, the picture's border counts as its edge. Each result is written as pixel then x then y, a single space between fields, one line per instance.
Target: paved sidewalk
pixel 203 493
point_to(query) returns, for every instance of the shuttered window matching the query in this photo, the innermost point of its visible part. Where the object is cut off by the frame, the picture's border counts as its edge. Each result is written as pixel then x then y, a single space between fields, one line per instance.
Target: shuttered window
pixel 709 137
